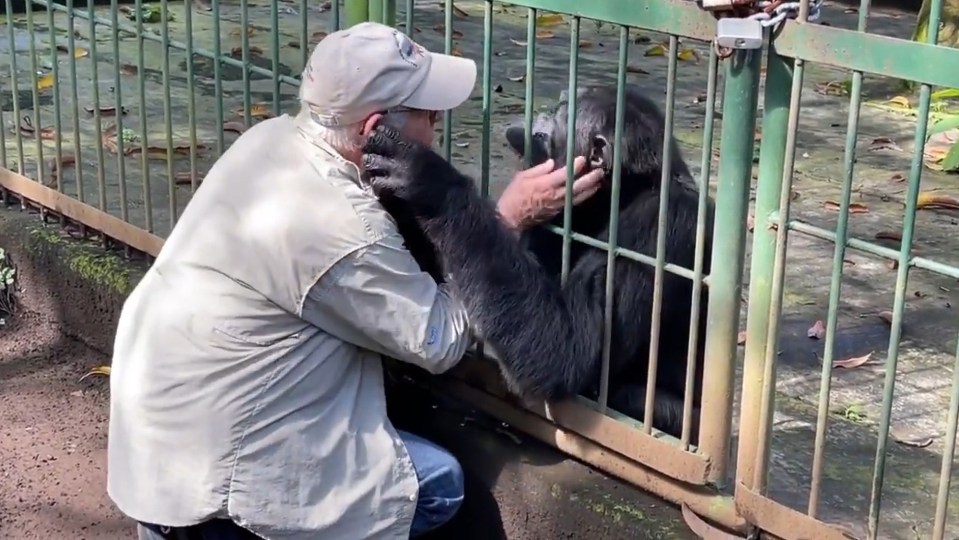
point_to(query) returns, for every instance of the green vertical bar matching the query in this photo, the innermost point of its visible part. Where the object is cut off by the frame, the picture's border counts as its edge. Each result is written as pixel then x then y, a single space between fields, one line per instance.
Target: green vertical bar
pixel 656 315
pixel 57 122
pixel 335 16
pixel 948 456
pixel 167 110
pixel 75 100
pixel 275 35
pixel 409 16
pixel 35 93
pixel 772 156
pixel 144 143
pixel 487 88
pixel 375 9
pixel 835 283
pixel 614 215
pixel 15 91
pixel 448 47
pixel 530 85
pixel 729 242
pixel 245 48
pixel 218 77
pixel 357 11
pixel 118 93
pixel 191 97
pixel 692 357
pixel 97 119
pixel 305 31
pixel 389 12
pixel 902 281
pixel 572 99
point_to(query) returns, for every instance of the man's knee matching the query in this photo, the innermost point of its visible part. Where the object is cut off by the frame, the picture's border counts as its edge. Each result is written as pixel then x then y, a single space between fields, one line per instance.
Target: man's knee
pixel 441 483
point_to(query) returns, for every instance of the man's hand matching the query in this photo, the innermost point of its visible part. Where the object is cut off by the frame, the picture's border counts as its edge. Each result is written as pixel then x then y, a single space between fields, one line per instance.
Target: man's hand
pixel 537 194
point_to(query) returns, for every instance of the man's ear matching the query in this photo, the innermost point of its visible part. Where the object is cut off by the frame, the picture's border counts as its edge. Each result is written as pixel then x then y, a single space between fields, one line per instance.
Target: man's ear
pixel 370 123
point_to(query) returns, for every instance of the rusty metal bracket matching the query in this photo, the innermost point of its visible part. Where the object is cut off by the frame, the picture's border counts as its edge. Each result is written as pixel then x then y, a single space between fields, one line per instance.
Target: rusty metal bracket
pixel 613 431
pixel 782 521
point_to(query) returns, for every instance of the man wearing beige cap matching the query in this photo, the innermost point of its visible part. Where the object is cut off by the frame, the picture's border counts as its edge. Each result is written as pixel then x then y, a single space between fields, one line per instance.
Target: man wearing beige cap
pixel 247 395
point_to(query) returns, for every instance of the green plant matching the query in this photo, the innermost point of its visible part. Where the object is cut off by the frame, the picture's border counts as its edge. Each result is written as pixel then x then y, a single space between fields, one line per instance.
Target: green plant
pixel 7 279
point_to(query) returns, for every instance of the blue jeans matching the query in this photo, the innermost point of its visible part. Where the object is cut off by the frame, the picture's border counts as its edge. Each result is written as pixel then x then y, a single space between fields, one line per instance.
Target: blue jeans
pixel 440 496
pixel 441 483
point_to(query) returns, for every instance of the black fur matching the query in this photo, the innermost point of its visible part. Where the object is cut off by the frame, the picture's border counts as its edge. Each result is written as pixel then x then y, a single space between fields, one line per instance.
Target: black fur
pixel 550 339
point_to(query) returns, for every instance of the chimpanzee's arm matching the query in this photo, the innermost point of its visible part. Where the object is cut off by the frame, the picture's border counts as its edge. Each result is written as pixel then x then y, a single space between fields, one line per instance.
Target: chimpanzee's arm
pixel 549 340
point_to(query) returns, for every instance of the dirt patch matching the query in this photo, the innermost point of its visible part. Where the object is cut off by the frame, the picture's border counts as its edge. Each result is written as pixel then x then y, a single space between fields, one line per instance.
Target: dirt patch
pixel 53 437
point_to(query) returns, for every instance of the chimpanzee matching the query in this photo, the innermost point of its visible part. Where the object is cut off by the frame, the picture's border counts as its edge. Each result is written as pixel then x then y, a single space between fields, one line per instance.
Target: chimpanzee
pixel 549 337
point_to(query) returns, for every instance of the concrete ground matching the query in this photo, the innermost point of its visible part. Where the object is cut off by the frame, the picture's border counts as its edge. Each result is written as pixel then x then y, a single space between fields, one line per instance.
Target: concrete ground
pixel 926 357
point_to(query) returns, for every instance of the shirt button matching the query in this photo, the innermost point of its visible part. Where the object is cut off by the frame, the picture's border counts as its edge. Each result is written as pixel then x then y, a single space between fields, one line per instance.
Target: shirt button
pixel 412 497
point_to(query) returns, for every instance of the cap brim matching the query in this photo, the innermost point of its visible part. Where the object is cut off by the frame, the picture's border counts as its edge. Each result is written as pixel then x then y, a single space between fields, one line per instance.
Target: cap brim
pixel 448 84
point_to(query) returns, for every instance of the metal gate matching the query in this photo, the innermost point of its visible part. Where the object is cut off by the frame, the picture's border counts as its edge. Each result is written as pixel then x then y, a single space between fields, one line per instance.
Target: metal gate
pixel 215 69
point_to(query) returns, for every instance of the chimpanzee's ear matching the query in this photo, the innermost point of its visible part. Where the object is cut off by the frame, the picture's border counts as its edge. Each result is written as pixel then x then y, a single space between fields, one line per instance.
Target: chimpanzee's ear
pixel 600 153
pixel 516 137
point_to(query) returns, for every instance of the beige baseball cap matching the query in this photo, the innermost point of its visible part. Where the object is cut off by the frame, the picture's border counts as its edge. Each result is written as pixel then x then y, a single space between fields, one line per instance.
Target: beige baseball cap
pixel 371 67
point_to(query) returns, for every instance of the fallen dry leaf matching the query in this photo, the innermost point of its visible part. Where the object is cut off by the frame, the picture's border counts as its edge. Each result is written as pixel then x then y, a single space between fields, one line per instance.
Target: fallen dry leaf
pixel 456 52
pixel 128 69
pixel 929 199
pixel 549 19
pixel 105 110
pixel 884 143
pixel 656 50
pixel 915 443
pixel 901 101
pixel 45 81
pixel 585 44
pixel 851 363
pixel 235 127
pixel 459 11
pixel 517 79
pixel 898 178
pixel 854 208
pixel 741 339
pixel 238 51
pixel 518 42
pixel 688 55
pixel 186 177
pixel 257 110
pixel 636 69
pixel 545 34
pixel 318 36
pixel 250 31
pixel 816 331
pixel 889 235
pixel 441 28
pixel 831 88
pixel 886 317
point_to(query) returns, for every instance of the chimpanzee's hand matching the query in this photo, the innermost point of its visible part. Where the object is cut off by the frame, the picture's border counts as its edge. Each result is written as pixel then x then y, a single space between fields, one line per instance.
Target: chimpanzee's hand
pixel 398 167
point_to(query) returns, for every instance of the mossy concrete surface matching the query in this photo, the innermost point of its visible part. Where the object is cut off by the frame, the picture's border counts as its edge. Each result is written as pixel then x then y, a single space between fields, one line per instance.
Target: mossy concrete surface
pixel 517 488
pixel 75 283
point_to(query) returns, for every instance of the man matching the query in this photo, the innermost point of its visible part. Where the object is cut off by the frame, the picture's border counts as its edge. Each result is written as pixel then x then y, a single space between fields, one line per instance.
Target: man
pixel 247 390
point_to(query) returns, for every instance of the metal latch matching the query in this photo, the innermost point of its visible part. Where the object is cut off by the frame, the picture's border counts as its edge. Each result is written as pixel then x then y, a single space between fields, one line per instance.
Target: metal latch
pixel 736 33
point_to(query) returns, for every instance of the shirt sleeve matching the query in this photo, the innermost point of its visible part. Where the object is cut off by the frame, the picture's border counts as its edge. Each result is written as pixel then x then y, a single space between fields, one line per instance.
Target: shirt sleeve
pixel 379 299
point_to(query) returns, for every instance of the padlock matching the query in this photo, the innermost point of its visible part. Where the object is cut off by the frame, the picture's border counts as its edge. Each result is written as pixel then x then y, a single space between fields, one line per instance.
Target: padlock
pixel 735 33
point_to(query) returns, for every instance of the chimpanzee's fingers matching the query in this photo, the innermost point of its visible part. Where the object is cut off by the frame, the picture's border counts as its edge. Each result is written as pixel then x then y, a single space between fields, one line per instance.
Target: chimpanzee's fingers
pixel 383 140
pixel 376 165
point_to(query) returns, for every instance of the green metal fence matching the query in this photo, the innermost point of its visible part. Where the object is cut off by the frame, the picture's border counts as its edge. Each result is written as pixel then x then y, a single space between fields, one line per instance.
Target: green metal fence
pixel 134 101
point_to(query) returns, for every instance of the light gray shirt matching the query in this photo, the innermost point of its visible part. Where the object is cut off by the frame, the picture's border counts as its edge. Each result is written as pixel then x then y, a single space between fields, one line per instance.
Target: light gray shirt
pixel 247 380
